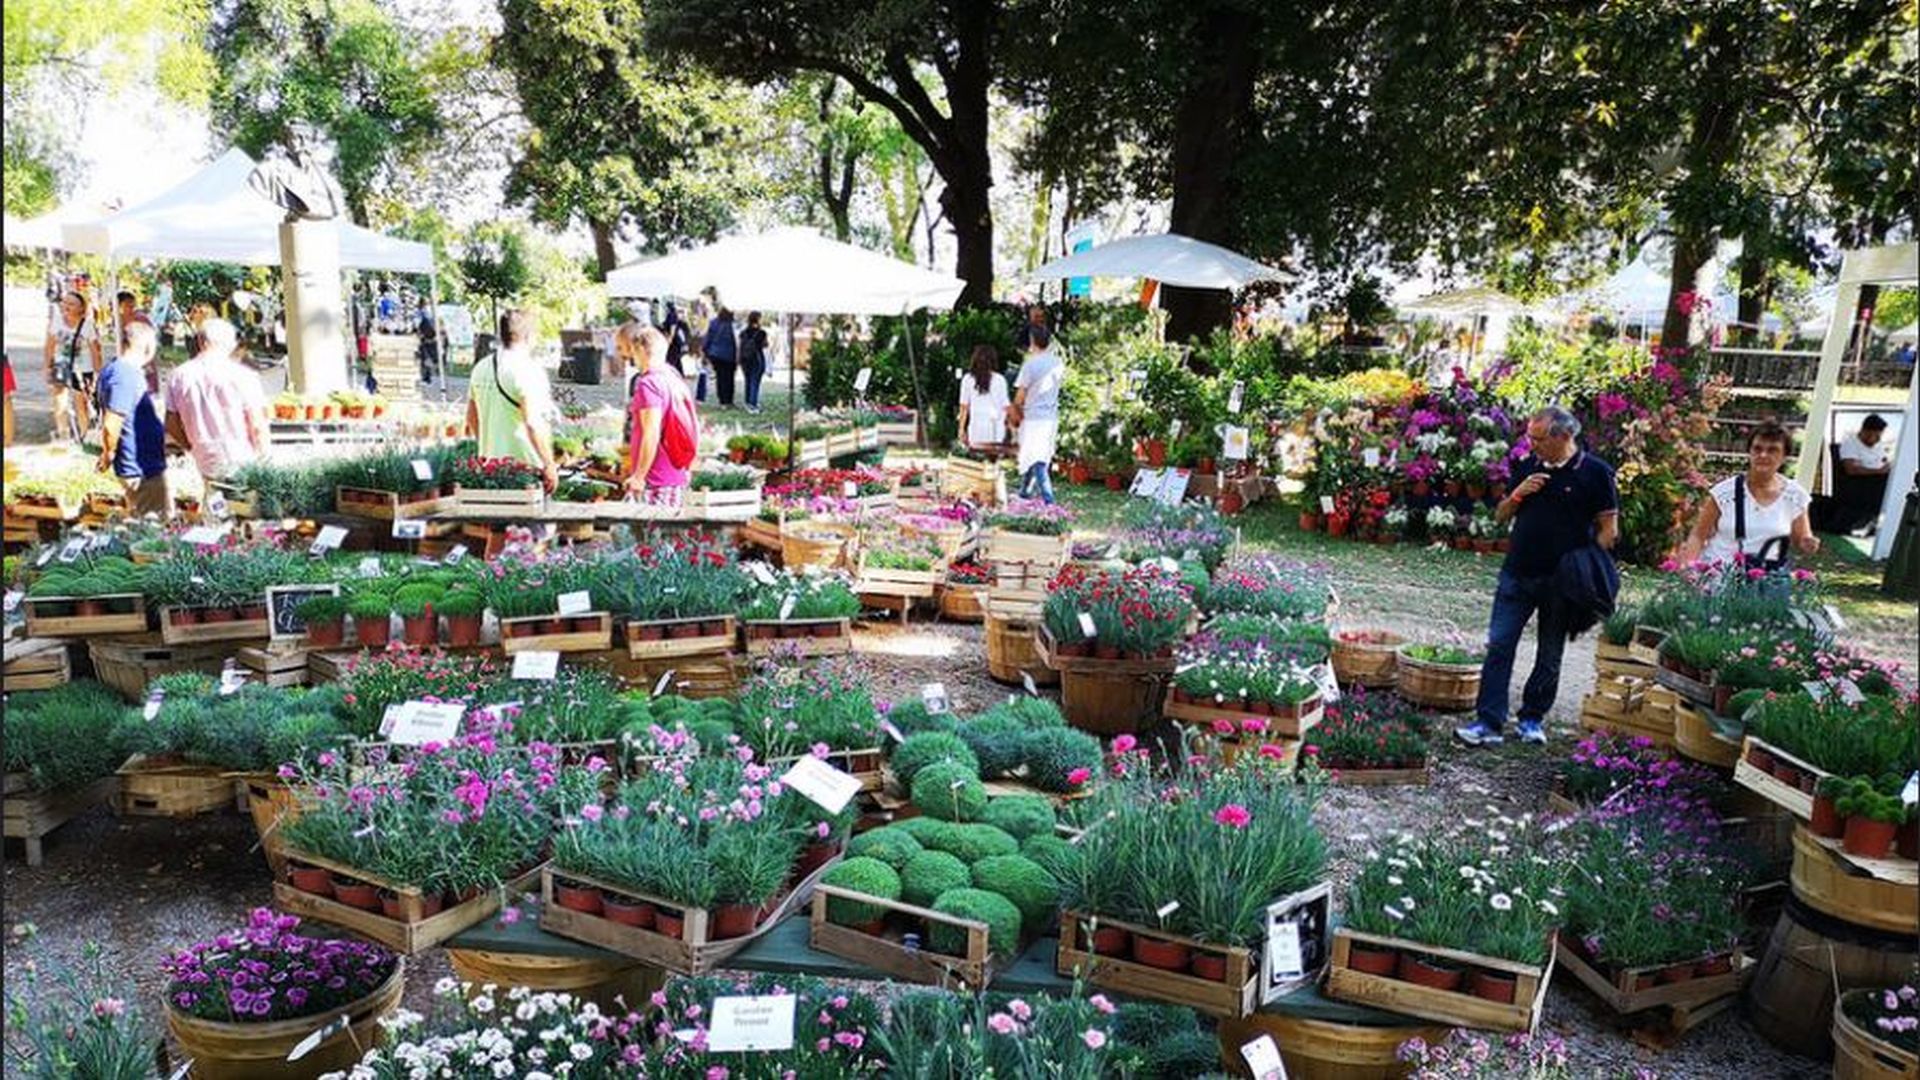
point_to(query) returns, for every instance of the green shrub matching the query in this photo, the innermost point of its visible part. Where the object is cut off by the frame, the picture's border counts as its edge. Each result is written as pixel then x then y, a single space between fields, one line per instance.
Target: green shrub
pixel 1031 888
pixel 892 845
pixel 930 748
pixel 930 875
pixel 321 609
pixel 1055 855
pixel 971 843
pixel 869 876
pixel 62 738
pixel 999 740
pixel 950 792
pixel 460 604
pixel 927 830
pixel 414 605
pixel 911 717
pixel 370 605
pixel 1033 712
pixel 1021 816
pixel 999 913
pixel 1055 754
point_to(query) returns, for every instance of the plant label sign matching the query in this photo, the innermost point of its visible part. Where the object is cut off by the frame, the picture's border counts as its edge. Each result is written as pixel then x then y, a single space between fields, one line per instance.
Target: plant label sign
pixel 199 535
pixel 1911 793
pixel 422 469
pixel 1849 691
pixel 862 380
pixel 1234 396
pixel 216 503
pixel 13 600
pixel 752 1023
pixel 849 490
pixel 1236 445
pixel 320 1035
pixel 409 529
pixel 1173 489
pixel 370 566
pixel 1264 1060
pixel 821 782
pixel 231 678
pixel 935 696
pixel 1174 429
pixel 1326 504
pixel 1026 681
pixel 330 539
pixel 892 732
pixel 1086 625
pixel 454 556
pixel 1145 483
pixel 423 722
pixel 46 556
pixel 786 607
pixel 1296 941
pixel 761 572
pixel 1329 683
pixel 666 680
pixel 541 664
pixel 578 602
pixel 283 603
pixel 154 700
pixel 1370 457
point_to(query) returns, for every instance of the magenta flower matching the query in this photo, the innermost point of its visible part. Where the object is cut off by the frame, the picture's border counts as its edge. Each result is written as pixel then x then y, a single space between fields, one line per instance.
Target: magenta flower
pixel 1233 815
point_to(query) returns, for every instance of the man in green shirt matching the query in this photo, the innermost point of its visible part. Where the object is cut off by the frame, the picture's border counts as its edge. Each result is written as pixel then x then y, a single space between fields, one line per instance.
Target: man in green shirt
pixel 509 400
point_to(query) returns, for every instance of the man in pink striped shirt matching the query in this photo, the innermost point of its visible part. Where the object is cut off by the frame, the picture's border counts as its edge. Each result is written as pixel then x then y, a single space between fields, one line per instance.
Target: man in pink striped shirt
pixel 215 406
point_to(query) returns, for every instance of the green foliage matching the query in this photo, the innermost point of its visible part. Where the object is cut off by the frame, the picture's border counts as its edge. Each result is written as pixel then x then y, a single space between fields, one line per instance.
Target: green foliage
pixel 1003 921
pixel 930 875
pixel 869 876
pixel 890 844
pixel 1031 888
pixel 1050 850
pixel 1021 816
pixel 999 742
pixel 971 842
pixel 494 264
pixel 1055 755
pixel 949 791
pixel 929 748
pixel 321 609
pixel 925 830
pixel 911 717
pixel 62 738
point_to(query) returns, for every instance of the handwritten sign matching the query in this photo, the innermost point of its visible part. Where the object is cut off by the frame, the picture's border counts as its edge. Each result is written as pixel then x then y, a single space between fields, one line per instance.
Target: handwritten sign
pixel 578 602
pixel 821 782
pixel 758 1023
pixel 541 664
pixel 283 608
pixel 420 722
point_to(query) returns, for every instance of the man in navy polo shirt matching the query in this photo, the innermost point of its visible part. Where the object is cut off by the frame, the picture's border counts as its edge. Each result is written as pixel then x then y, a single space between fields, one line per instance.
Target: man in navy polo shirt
pixel 132 437
pixel 1564 499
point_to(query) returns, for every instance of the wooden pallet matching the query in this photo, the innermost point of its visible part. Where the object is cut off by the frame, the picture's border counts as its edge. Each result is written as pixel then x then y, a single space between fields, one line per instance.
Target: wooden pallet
pixel 1770 787
pixel 1627 706
pixel 149 789
pixel 524 500
pixel 1345 983
pixel 392 505
pixel 30 816
pixel 276 667
pixel 1382 777
pixel 886 953
pixel 40 624
pixel 407 935
pixel 1635 989
pixel 692 953
pixel 1237 996
pixel 42 669
pixel 569 640
pixel 64 509
pixel 830 645
pixel 1292 727
pixel 202 633
pixel 670 647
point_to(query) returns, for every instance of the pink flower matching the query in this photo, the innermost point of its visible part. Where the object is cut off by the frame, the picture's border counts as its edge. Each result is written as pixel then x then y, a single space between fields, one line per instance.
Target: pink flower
pixel 1021 1011
pixel 592 812
pixel 1001 1024
pixel 113 1006
pixel 1094 1038
pixel 1233 814
pixel 824 830
pixel 509 916
pixel 1100 1003
pixel 1079 776
pixel 1124 743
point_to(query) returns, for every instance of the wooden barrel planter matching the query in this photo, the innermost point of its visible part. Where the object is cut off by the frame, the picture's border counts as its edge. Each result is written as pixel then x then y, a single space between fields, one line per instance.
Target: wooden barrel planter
pixel 1791 993
pixel 1447 687
pixel 1694 737
pixel 229 1051
pixel 814 543
pixel 1859 1054
pixel 1323 1049
pixel 1011 651
pixel 600 981
pixel 1825 883
pixel 1108 697
pixel 1368 663
pixel 961 603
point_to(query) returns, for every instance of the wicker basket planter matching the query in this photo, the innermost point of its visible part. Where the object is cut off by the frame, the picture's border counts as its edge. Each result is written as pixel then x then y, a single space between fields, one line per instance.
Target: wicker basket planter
pixel 227 1051
pixel 1449 687
pixel 1107 697
pixel 814 543
pixel 1367 662
pixel 1859 1054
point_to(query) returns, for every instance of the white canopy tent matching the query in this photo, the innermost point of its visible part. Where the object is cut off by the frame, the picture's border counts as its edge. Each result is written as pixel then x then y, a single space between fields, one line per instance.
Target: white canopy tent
pixel 37 233
pixel 793 270
pixel 1487 311
pixel 1168 258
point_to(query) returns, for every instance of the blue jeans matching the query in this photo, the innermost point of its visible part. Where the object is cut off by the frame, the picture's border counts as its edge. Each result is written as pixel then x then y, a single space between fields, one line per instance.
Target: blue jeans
pixel 1038 480
pixel 1515 601
pixel 754 371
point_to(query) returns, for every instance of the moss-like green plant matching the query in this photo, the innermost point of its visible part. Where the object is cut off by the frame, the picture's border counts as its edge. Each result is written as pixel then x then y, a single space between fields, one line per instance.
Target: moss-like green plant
pixel 1021 816
pixel 1001 916
pixel 1056 756
pixel 892 845
pixel 869 876
pixel 460 604
pixel 950 792
pixel 971 843
pixel 1028 884
pixel 1052 852
pixel 930 875
pixel 926 830
pixel 999 740
pixel 370 605
pixel 930 748
pixel 321 609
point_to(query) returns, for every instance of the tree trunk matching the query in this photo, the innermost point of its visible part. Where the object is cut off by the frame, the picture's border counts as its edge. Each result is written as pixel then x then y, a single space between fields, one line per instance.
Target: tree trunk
pixel 1690 288
pixel 1756 289
pixel 1206 144
pixel 603 254
pixel 1710 150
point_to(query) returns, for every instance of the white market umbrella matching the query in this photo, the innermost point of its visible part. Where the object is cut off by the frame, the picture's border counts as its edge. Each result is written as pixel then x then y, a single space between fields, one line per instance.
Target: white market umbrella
pixel 1168 258
pixel 37 233
pixel 790 269
pixel 1909 332
pixel 1475 301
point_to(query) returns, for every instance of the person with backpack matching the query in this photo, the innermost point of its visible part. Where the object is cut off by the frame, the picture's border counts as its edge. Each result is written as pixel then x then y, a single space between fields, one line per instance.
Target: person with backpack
pixel 510 400
pixel 665 427
pixel 73 355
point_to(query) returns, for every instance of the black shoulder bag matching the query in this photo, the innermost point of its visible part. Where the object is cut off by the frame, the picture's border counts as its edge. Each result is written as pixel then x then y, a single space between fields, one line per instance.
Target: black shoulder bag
pixel 1772 554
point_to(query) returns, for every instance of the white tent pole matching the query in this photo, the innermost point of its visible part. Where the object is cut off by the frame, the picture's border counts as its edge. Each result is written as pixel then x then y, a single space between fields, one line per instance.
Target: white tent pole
pixel 439 337
pixel 793 365
pixel 1900 477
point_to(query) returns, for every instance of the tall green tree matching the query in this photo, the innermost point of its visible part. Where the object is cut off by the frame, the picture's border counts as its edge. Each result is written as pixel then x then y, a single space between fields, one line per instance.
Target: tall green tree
pixel 348 68
pixel 617 140
pixel 929 64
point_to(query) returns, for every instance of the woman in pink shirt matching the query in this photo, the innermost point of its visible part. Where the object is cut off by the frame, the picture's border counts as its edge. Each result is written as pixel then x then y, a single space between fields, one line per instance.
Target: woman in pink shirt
pixel 657 391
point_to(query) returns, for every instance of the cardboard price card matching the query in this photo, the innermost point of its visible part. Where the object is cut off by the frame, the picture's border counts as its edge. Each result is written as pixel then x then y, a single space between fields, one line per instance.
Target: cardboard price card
pixel 421 722
pixel 752 1023
pixel 821 782
pixel 542 664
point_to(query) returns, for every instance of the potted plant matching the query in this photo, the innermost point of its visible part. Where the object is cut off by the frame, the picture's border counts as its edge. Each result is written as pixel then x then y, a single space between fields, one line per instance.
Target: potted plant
pixel 1876 1032
pixel 372 614
pixel 1872 819
pixel 325 618
pixel 419 624
pixel 463 610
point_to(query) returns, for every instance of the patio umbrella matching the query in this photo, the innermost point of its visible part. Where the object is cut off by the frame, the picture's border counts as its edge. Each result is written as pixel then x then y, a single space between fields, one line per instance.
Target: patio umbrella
pixel 1168 258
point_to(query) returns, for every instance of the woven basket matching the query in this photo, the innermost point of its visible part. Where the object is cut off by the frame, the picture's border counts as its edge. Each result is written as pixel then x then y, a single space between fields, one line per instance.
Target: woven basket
pixel 1448 687
pixel 1366 663
pixel 961 603
pixel 1011 650
pixel 814 543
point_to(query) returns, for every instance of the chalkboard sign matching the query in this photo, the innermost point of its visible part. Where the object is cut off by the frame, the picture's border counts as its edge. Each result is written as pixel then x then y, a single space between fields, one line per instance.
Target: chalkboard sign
pixel 283 603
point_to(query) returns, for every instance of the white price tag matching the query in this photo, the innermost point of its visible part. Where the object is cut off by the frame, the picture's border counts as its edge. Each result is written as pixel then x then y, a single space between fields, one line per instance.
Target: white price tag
pixel 1849 691
pixel 46 556
pixel 1233 396
pixel 1173 488
pixel 821 782
pixel 1263 1059
pixel 154 700
pixel 409 530
pixel 1086 625
pixel 665 681
pixel 578 602
pixel 862 380
pixel 1833 618
pixel 786 607
pixel 1167 908
pixel 1370 457
pixel 849 490
pixel 1326 504
pixel 761 572
pixel 543 664
pixel 199 535
pixel 427 721
pixel 1173 429
pixel 935 696
pixel 1236 444
pixel 752 1023
pixel 1815 689
pixel 231 679
pixel 1283 952
pixel 422 469
pixel 1145 482
pixel 1329 683
pixel 330 538
pixel 454 555
pixel 370 566
pixel 1026 680
pixel 13 599
pixel 216 503
pixel 892 732
pixel 99 540
pixel 1911 793
pixel 320 1035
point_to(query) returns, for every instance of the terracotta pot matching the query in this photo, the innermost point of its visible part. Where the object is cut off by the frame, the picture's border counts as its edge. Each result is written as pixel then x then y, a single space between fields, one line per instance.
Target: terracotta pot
pixel 1492 985
pixel 1156 452
pixel 657 633
pixel 1722 697
pixel 626 912
pixel 1867 838
pixel 1483 546
pixel 1337 524
pixel 1476 491
pixel 327 635
pixel 713 628
pixel 310 412
pixel 585 624
pixel 1713 965
pixel 392 908
pixel 1205 467
pixel 551 626
pixel 826 630
pixel 1826 818
pixel 1421 489
pixel 373 633
pixel 1115 483
pixel 184 616
pixel 733 920
pixel 1786 773
pixel 1907 840
pixel 463 630
pixel 1166 955
pixel 311 879
pixel 682 631
pixel 529 628
pixel 1373 959
pixel 1232 502
pixel 1077 648
pixel 791 631
pixel 90 608
pixel 1111 941
pixel 328 412
pixel 1309 522
pixel 1078 473
pixel 670 924
pixel 738 457
pixel 1461 543
pixel 1452 488
pixel 813 857
pixel 1423 973
pixel 1209 966
pixel 420 629
pixel 573 897
pixel 1675 973
pixel 219 615
pixel 356 893
pixel 254 612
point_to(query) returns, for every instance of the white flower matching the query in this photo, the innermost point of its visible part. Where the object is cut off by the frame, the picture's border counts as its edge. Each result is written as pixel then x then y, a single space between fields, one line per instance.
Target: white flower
pixel 1407 902
pixel 1547 906
pixel 580 1051
pixel 1501 902
pixel 1394 879
pixel 447 985
pixel 1397 863
pixel 482 1004
pixel 1469 872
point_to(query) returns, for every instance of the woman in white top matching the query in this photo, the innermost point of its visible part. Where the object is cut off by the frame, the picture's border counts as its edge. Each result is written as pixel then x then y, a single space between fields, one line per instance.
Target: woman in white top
pixel 983 400
pixel 73 355
pixel 1775 507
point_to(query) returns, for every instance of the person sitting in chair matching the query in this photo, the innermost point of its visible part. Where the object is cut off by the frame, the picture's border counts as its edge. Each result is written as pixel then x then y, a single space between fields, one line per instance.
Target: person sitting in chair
pixel 1863 465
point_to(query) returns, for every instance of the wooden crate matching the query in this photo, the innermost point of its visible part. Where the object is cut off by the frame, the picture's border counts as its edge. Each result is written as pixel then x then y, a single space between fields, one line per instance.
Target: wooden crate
pixel 1050 654
pixel 833 644
pixel 42 669
pixel 737 505
pixel 276 667
pixel 761 533
pixel 155 789
pixel 692 953
pixel 392 505
pixel 64 508
pixel 129 666
pixel 1694 736
pixel 1894 869
pixel 1345 983
pixel 1770 787
pixel 1006 546
pixel 1635 989
pixel 1611 659
pixel 899 432
pixel 569 640
pixel 1382 777
pixel 1692 690
pixel 705 676
pixel 1645 646
pixel 40 624
pixel 885 953
pixel 815 543
pixel 811 453
pixel 668 647
pixel 1822 880
pixel 201 633
pixel 980 481
pixel 913 584
pixel 522 500
pixel 412 934
pixel 1237 996
pixel 1290 726
pixel 30 815
pixel 1628 706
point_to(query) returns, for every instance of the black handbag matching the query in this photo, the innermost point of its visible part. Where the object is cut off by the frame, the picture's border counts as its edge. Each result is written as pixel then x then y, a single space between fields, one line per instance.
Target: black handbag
pixel 1774 554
